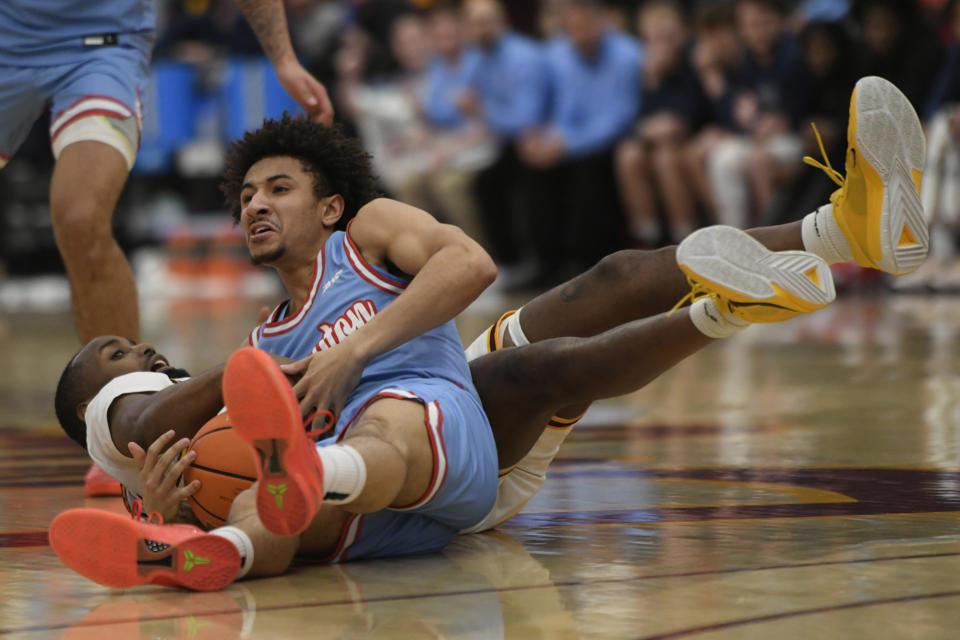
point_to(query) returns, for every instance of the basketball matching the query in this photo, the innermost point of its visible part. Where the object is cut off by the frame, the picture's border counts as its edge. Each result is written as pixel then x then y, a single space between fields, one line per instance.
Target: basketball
pixel 225 466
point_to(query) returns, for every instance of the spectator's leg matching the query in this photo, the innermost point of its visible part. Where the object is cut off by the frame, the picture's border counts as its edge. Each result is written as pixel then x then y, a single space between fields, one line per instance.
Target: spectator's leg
pixel 493 190
pixel 727 165
pixel 938 145
pixel 633 179
pixel 547 219
pixel 453 191
pixel 592 208
pixel 760 175
pixel 677 197
pixel 695 154
pixel 82 201
pixel 415 190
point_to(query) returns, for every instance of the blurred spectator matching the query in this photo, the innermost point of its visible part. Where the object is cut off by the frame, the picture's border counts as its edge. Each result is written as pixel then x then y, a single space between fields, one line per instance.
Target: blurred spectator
pixel 508 89
pixel 649 165
pixel 595 73
pixel 829 55
pixel 823 10
pixel 899 45
pixel 386 109
pixel 461 145
pixel 940 191
pixel 768 98
pixel 199 32
pixel 716 53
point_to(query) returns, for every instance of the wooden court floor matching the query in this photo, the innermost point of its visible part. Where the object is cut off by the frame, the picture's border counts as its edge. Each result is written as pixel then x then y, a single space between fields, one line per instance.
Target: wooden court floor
pixel 796 481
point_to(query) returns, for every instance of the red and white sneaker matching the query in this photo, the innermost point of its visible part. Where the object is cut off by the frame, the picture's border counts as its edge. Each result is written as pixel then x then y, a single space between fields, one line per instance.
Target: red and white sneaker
pixel 117 551
pixel 265 412
pixel 98 482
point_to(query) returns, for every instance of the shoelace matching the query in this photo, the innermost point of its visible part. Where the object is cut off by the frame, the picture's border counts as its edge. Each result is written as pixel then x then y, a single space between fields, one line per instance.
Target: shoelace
pixel 308 422
pixel 698 291
pixel 136 513
pixel 827 168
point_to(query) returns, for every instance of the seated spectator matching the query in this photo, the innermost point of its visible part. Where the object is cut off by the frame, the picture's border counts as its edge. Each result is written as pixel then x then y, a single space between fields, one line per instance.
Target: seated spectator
pixel 899 45
pixel 200 33
pixel 649 165
pixel 769 89
pixel 386 109
pixel 829 55
pixel 595 72
pixel 716 54
pixel 940 191
pixel 461 146
pixel 508 91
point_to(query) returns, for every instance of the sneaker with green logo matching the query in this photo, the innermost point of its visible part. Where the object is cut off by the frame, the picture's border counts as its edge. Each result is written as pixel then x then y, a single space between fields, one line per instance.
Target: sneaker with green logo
pixel 117 551
pixel 265 412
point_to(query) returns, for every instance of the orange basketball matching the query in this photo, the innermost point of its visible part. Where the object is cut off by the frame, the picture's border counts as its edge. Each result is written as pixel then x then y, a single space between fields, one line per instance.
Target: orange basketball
pixel 225 466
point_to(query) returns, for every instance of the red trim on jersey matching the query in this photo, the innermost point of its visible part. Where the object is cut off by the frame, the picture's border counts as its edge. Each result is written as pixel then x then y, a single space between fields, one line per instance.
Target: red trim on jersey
pixel 356 536
pixel 370 400
pixel 95 97
pixel 344 532
pixel 440 464
pixel 319 266
pixel 84 114
pixel 354 256
pixel 4 156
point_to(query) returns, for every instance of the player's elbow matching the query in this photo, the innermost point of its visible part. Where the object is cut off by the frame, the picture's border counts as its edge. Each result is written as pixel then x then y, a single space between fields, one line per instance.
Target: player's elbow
pixel 483 267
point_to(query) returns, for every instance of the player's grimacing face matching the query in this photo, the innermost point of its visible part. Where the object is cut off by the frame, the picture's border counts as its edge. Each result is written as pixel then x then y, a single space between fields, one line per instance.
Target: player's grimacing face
pixel 110 356
pixel 278 209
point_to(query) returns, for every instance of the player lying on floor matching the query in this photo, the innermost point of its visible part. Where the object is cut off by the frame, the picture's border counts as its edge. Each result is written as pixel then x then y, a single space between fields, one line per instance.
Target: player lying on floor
pixel 447 484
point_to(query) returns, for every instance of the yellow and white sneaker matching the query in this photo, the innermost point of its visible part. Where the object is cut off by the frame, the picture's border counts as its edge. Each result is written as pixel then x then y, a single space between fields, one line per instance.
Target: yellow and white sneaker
pixel 877 206
pixel 749 281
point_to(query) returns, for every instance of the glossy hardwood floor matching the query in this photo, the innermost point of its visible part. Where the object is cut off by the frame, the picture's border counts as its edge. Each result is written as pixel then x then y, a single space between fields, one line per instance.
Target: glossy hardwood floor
pixel 796 481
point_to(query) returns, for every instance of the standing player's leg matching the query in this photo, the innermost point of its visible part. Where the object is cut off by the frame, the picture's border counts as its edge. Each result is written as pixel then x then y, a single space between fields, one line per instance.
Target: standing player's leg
pixel 103 291
pixel 94 133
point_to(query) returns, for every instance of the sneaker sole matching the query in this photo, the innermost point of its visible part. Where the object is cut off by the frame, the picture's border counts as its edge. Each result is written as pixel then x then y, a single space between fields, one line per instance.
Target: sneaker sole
pixel 890 138
pixel 265 412
pixel 741 269
pixel 112 550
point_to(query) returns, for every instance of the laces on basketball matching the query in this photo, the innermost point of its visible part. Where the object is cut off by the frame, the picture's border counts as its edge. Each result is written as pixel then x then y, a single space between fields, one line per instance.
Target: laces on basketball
pixel 827 168
pixel 698 291
pixel 136 513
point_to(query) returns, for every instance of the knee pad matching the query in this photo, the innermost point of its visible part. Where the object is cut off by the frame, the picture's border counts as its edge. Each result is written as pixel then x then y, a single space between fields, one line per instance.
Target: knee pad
pixel 113 128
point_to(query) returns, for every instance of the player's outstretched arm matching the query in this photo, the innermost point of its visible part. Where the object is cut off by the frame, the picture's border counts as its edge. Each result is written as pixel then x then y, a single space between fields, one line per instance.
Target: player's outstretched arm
pixel 449 271
pixel 269 22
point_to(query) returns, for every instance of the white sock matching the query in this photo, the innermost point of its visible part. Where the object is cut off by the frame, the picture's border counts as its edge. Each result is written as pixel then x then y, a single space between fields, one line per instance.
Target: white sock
pixel 823 237
pixel 243 544
pixel 512 326
pixel 711 322
pixel 344 473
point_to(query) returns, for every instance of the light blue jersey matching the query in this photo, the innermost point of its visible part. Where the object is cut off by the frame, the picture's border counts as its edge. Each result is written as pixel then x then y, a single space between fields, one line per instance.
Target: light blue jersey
pixel 45 33
pixel 347 292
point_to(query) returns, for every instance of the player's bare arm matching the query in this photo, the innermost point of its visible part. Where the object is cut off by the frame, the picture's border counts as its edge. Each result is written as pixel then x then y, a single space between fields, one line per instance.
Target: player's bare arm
pixel 269 23
pixel 449 271
pixel 142 418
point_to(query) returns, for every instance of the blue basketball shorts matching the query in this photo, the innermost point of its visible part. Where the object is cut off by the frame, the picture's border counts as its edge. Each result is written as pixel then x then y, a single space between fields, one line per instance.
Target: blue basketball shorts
pixel 93 95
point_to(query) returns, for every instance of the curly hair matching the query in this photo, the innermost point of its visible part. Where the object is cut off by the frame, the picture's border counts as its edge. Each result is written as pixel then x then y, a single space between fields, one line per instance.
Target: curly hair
pixel 338 162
